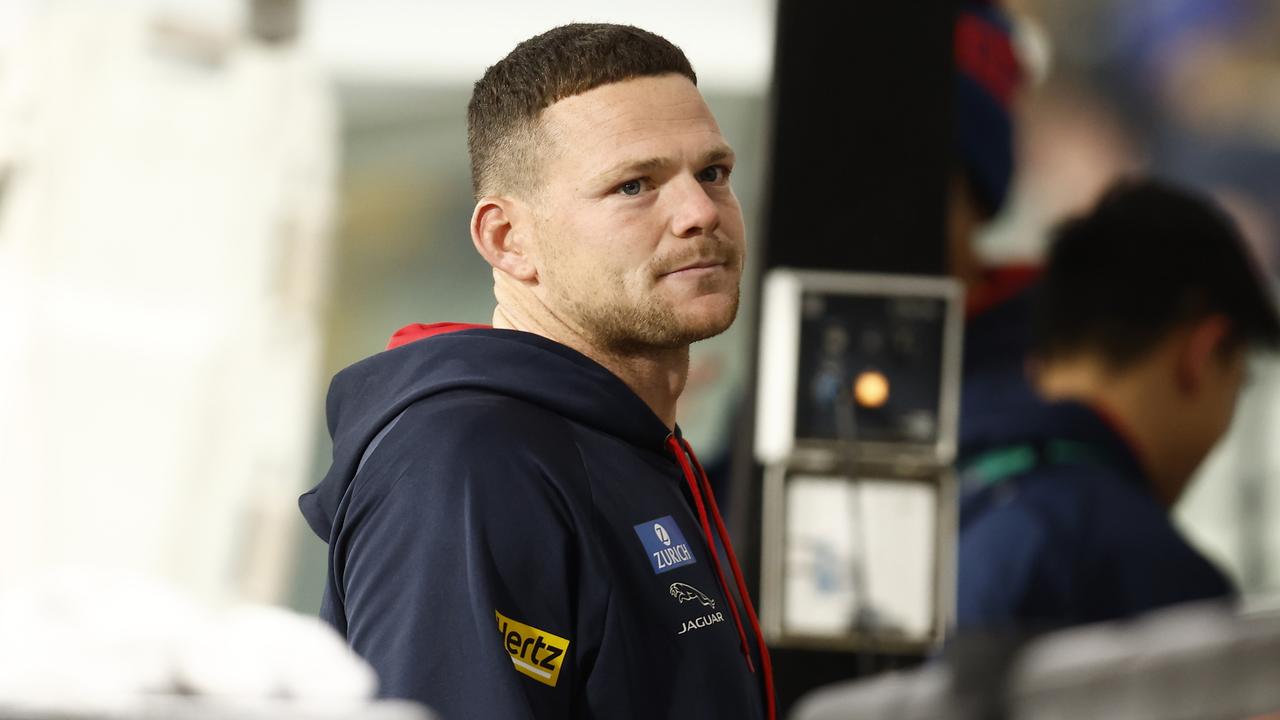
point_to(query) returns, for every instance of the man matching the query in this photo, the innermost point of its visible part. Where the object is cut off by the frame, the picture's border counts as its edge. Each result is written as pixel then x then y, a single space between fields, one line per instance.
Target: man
pixel 516 528
pixel 1146 309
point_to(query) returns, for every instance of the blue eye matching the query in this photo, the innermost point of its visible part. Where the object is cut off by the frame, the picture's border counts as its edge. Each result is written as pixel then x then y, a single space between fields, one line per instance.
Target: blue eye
pixel 631 187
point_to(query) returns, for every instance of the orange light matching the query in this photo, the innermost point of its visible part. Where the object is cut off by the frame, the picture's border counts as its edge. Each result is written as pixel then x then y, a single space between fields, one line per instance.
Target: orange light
pixel 871 389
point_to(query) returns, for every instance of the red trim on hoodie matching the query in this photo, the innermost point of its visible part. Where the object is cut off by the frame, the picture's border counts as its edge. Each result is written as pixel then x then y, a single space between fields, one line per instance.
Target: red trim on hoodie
pixel 999 284
pixel 418 331
pixel 683 452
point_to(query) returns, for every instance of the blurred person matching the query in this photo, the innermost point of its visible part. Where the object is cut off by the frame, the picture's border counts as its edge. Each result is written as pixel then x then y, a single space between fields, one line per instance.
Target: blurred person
pixel 516 527
pixel 1144 315
pixel 1072 151
pixel 988 77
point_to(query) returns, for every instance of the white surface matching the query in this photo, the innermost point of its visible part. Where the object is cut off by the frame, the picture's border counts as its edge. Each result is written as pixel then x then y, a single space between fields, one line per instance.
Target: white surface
pixel 886 527
pixel 779 355
pixel 1191 662
pixel 1229 509
pixel 163 249
pixel 96 643
pixel 729 42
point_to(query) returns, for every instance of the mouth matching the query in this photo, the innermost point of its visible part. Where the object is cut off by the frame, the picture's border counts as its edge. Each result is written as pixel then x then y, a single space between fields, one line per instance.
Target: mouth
pixel 700 267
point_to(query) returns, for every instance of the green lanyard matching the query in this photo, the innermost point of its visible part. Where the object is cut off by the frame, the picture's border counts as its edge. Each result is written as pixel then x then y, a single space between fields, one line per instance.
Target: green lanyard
pixel 996 466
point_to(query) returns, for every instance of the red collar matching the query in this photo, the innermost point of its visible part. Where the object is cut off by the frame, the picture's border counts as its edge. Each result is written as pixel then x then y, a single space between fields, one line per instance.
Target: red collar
pixel 999 284
pixel 418 331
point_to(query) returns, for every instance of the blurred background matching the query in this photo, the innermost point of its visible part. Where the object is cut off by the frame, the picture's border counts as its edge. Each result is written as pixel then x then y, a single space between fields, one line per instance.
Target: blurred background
pixel 209 207
pixel 1184 89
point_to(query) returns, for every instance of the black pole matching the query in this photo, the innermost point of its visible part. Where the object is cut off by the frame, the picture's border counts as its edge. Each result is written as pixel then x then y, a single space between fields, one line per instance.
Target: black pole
pixel 861 156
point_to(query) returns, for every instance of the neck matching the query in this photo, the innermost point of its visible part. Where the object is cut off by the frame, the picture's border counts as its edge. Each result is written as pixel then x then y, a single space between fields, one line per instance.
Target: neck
pixel 656 375
pixel 1129 399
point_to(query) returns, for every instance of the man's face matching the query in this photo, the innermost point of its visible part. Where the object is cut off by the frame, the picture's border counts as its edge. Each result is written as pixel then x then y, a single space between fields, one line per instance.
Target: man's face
pixel 637 236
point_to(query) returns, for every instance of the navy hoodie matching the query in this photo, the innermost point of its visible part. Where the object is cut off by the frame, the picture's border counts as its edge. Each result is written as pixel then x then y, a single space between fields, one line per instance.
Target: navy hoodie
pixel 1059 524
pixel 513 534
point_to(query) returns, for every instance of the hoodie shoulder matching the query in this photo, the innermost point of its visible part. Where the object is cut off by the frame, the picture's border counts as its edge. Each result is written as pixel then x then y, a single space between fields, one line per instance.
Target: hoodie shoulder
pixel 467 393
pixel 475 419
pixel 471 505
pixel 474 436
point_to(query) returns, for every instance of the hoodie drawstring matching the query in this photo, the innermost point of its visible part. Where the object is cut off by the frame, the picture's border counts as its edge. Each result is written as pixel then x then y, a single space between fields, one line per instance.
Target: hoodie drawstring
pixel 700 486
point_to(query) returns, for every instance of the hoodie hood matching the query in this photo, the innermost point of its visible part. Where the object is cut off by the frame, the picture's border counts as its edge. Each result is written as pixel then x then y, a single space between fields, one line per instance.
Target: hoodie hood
pixel 429 359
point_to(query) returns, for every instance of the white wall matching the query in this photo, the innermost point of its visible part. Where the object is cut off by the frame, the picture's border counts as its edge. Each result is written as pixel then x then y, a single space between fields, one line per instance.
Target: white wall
pixel 729 42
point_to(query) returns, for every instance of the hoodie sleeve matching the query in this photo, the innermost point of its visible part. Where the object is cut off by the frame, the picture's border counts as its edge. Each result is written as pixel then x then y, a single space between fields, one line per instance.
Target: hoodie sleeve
pixel 457 561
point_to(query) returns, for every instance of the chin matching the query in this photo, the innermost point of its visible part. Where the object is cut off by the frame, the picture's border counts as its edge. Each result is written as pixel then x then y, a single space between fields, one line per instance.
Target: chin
pixel 663 323
pixel 705 322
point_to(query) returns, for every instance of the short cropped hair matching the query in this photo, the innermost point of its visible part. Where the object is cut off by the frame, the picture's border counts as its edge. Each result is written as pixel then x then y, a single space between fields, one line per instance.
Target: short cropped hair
pixel 1150 257
pixel 502 117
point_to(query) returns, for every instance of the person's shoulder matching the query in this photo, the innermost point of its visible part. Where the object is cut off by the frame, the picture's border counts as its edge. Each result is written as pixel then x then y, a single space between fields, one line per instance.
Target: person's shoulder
pixel 470 432
pixel 1042 508
pixel 477 447
pixel 482 429
pixel 483 417
pixel 1005 516
pixel 1001 547
pixel 1111 519
pixel 1070 489
pixel 1096 494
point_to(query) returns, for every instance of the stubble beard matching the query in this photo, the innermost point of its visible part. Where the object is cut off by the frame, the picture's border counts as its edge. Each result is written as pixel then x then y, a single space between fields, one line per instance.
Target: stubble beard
pixel 637 328
pixel 622 325
pixel 636 323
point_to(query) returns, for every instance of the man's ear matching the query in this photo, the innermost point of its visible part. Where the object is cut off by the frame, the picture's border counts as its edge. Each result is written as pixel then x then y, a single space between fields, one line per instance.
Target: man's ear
pixel 500 239
pixel 1202 347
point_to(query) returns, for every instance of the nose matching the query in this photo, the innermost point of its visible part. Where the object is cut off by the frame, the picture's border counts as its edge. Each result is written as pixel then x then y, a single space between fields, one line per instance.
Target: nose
pixel 694 212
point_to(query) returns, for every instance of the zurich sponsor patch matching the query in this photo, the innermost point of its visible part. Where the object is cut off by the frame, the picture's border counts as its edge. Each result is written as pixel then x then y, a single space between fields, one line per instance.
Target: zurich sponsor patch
pixel 665 544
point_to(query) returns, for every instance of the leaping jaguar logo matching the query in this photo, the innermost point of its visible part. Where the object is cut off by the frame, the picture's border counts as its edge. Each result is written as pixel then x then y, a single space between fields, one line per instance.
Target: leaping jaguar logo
pixel 685 593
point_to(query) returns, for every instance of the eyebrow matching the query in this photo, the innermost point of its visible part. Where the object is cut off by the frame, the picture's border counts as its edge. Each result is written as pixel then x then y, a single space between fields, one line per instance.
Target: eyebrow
pixel 650 165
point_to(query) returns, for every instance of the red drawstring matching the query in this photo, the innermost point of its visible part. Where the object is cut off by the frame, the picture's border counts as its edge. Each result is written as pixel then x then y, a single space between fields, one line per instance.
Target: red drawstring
pixel 765 661
pixel 711 545
pixel 679 448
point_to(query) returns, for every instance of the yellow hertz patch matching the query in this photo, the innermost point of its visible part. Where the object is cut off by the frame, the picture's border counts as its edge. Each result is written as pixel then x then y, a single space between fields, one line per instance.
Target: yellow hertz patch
pixel 534 652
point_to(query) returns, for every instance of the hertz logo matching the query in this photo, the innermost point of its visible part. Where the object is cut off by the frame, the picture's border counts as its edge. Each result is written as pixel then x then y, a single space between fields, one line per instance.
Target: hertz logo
pixel 535 653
